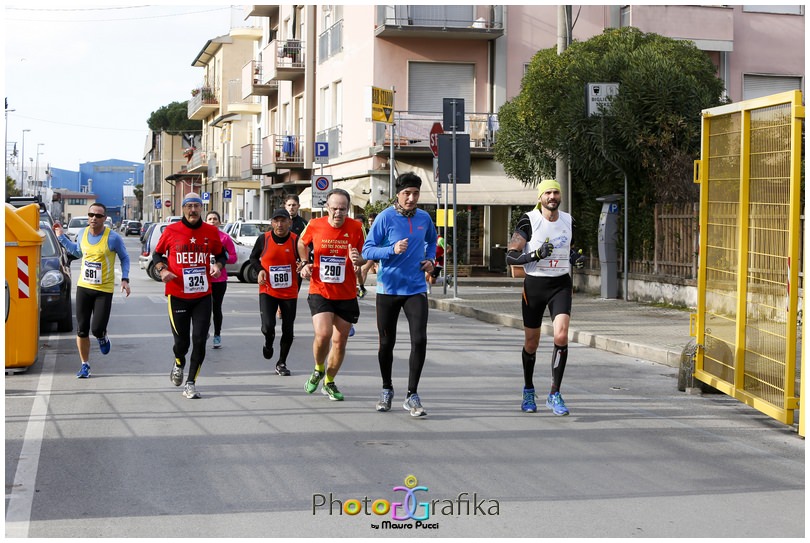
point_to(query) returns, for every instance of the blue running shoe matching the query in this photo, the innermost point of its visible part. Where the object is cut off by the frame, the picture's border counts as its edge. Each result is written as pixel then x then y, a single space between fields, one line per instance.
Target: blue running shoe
pixel 104 344
pixel 84 373
pixel 556 404
pixel 351 331
pixel 529 405
pixel 217 342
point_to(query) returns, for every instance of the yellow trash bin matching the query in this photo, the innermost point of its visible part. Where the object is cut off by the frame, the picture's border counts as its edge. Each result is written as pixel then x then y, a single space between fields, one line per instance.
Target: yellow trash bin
pixel 23 247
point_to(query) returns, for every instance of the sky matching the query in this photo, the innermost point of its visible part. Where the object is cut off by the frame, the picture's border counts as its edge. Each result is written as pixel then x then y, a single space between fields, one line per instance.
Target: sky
pixel 85 78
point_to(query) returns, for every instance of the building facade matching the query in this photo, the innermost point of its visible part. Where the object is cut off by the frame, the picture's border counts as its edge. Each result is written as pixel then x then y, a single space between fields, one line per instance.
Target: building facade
pixel 300 74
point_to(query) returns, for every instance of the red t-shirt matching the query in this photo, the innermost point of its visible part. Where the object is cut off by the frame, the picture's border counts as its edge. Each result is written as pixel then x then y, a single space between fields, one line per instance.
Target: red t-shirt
pixel 189 255
pixel 279 262
pixel 333 274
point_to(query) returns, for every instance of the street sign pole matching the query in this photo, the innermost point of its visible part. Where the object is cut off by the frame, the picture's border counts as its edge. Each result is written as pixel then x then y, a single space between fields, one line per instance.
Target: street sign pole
pixel 455 226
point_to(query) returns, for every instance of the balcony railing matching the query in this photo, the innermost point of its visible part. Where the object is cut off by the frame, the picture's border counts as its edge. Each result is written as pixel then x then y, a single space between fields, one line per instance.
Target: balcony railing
pixel 330 42
pixel 251 160
pixel 254 81
pixel 198 161
pixel 203 101
pixel 288 149
pixel 332 137
pixel 412 130
pixel 440 21
pixel 237 103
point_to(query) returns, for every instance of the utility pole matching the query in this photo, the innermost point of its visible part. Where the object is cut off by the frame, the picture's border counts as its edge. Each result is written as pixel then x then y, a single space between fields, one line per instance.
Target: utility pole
pixel 563 175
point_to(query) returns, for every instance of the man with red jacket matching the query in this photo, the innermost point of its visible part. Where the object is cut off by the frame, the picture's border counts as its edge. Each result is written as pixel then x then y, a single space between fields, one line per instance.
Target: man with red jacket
pixel 183 258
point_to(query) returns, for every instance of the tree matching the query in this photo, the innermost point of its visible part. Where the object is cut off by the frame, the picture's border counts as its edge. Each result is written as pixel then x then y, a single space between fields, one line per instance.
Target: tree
pixel 138 191
pixel 11 187
pixel 173 119
pixel 652 130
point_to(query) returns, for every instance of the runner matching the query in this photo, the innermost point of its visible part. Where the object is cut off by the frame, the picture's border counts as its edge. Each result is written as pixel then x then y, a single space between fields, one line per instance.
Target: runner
pixel 275 257
pixel 542 245
pixel 220 284
pixel 336 244
pixel 403 240
pixel 97 245
pixel 183 260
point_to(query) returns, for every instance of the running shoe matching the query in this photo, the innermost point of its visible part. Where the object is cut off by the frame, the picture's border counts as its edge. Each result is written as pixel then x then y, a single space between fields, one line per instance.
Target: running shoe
pixel 217 342
pixel 331 390
pixel 414 405
pixel 312 382
pixel 190 391
pixel 529 405
pixel 176 375
pixel 386 397
pixel 351 331
pixel 267 353
pixel 104 344
pixel 556 404
pixel 281 369
pixel 84 372
pixel 361 291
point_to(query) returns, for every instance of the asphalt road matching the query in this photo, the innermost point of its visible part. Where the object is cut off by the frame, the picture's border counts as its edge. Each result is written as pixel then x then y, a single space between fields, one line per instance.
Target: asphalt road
pixel 124 454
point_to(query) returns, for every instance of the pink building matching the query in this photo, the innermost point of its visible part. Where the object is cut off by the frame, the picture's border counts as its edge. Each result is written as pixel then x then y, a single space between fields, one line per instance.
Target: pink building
pixel 314 67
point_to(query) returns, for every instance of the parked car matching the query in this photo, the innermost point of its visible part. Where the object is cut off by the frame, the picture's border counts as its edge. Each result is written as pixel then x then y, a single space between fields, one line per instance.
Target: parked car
pixel 144 227
pixel 145 258
pixel 241 268
pixel 247 231
pixel 123 226
pixel 75 226
pixel 133 227
pixel 55 283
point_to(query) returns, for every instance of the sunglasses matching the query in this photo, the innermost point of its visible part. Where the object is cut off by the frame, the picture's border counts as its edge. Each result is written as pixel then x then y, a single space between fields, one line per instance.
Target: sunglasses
pixel 96 215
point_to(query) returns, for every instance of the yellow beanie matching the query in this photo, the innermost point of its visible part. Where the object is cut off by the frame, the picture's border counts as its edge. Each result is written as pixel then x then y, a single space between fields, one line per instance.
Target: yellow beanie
pixel 547 184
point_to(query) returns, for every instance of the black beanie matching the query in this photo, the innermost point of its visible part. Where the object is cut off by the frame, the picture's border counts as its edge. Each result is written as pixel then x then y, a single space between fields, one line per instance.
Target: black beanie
pixel 408 180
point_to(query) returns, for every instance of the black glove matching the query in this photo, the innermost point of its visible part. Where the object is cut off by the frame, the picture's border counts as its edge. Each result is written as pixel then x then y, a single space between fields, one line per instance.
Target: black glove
pixel 577 259
pixel 544 251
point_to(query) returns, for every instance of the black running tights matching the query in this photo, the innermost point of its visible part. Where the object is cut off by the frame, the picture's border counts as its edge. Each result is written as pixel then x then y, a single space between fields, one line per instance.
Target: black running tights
pixel 416 311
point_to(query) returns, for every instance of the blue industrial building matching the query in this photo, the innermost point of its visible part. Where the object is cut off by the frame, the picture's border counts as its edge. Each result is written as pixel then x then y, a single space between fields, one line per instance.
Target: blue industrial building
pixel 105 178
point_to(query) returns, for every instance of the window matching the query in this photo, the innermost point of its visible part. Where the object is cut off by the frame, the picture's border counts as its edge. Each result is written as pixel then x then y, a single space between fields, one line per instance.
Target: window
pixel 430 82
pixel 756 86
pixel 786 10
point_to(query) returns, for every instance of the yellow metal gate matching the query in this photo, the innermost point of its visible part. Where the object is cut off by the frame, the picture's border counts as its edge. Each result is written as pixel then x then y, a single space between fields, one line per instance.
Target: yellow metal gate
pixel 748 275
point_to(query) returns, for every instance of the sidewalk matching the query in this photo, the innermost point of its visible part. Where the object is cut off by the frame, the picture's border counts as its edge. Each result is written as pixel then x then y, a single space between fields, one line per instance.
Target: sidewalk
pixel 628 328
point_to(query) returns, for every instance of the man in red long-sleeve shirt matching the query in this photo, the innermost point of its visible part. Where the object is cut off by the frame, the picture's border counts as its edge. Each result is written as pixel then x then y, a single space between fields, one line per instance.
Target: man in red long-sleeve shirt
pixel 183 258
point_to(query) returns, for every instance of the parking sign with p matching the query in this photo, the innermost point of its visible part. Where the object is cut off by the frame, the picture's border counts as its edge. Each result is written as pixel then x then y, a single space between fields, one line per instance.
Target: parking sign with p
pixel 321 152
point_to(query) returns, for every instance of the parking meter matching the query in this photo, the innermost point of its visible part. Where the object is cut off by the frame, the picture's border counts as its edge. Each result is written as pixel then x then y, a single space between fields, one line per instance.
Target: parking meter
pixel 608 253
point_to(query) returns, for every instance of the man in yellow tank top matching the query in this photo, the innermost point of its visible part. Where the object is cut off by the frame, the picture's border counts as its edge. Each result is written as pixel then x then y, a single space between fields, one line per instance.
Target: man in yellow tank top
pixel 97 246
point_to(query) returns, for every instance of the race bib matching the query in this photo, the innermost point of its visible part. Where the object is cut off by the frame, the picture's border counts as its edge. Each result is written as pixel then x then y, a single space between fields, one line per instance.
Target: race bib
pixel 92 272
pixel 195 280
pixel 333 269
pixel 280 276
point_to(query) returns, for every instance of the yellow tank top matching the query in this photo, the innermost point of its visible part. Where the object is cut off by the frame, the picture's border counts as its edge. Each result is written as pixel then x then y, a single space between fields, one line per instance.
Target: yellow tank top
pixel 98 263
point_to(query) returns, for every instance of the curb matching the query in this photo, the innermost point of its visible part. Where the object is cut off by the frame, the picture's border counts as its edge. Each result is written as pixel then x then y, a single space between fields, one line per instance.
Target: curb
pixel 654 354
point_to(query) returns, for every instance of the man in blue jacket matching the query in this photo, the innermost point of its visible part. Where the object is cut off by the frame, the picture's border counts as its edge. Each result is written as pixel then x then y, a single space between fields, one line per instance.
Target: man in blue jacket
pixel 403 240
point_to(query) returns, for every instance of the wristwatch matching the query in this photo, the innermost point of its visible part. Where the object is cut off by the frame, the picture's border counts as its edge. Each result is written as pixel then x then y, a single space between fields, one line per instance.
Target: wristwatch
pixel 161 268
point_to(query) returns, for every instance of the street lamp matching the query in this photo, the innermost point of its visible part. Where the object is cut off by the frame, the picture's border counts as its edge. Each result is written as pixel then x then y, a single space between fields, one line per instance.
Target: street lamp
pixel 6 147
pixel 22 161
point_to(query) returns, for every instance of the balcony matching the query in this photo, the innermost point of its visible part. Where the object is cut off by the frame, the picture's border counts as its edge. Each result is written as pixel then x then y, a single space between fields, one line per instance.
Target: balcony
pixel 711 28
pixel 254 83
pixel 251 160
pixel 288 60
pixel 455 22
pixel 237 104
pixel 288 151
pixel 203 103
pixel 197 162
pixel 412 133
pixel 263 11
